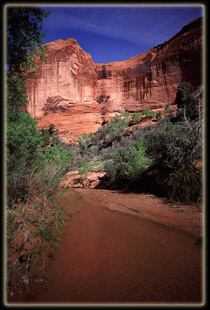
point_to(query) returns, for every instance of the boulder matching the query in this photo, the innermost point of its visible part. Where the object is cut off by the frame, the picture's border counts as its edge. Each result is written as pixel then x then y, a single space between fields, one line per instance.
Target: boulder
pixel 74 179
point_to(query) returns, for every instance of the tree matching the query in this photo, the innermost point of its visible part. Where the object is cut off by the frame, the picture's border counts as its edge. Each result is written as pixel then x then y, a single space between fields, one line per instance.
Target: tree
pixel 24 49
pixel 23 139
pixel 186 102
pixel 24 37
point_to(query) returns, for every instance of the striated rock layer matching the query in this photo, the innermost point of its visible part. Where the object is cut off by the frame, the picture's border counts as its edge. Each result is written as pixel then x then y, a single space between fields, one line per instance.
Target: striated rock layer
pixel 77 95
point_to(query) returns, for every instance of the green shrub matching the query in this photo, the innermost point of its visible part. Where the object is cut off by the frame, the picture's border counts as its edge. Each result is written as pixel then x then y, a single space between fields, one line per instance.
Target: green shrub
pixel 176 148
pixel 148 113
pixel 55 140
pixel 186 184
pixel 23 142
pixel 23 139
pixel 59 155
pixel 49 136
pixel 103 137
pixel 139 162
pixel 84 143
pixel 83 168
pixel 116 122
pixel 44 177
pixel 186 102
pixel 117 167
pixel 51 129
pixel 158 115
pixel 127 163
pixel 27 165
pixel 136 118
pixel 45 141
pixel 174 145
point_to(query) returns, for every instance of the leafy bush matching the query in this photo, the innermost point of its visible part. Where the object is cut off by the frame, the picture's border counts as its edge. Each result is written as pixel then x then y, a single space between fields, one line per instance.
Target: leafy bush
pixel 185 101
pixel 49 136
pixel 104 137
pixel 139 161
pixel 23 141
pixel 16 96
pixel 186 183
pixel 83 168
pixel 148 113
pixel 117 167
pixel 117 122
pixel 158 115
pixel 136 118
pixel 174 145
pixel 84 143
pixel 59 155
pixel 127 163
pixel 26 160
pixel 176 148
pixel 45 137
pixel 51 129
pixel 43 177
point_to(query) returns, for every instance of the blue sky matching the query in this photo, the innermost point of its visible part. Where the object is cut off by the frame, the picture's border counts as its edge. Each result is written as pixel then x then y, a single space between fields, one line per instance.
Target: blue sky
pixel 117 32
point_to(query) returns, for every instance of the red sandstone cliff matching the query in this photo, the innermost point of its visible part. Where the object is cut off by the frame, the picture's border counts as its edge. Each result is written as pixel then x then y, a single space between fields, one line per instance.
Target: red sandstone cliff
pixel 76 94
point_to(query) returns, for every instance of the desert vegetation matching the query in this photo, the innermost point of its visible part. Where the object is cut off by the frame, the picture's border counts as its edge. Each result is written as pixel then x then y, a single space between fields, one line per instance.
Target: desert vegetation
pixel 162 158
pixel 35 162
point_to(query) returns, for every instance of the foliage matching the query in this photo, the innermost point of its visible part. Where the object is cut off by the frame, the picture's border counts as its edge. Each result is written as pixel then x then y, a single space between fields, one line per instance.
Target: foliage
pixel 58 155
pixel 127 163
pixel 186 183
pixel 24 36
pixel 163 155
pixel 24 49
pixel 23 140
pixel 113 132
pixel 49 136
pixel 83 168
pixel 158 115
pixel 186 102
pixel 139 162
pixel 136 118
pixel 35 159
pixel 41 221
pixel 174 145
pixel 148 113
pixel 16 95
pixel 117 167
pixel 84 143
pixel 45 135
pixel 176 148
pixel 51 129
pixel 117 122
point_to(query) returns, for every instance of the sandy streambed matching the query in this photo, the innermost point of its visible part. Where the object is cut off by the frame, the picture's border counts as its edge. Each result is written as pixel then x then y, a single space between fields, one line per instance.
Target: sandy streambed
pixel 146 252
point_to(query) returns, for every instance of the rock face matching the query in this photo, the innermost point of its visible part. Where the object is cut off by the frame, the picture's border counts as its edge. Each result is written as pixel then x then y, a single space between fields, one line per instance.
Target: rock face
pixel 77 95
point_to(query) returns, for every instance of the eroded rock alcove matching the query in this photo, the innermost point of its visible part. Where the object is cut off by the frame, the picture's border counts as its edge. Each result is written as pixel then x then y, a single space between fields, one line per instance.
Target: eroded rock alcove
pixel 78 95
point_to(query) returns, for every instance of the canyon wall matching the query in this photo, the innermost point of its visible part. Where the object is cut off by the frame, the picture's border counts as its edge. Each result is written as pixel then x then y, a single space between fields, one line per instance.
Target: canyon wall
pixel 77 95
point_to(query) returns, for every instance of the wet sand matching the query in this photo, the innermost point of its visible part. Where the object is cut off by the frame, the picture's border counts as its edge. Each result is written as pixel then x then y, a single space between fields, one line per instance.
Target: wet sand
pixel 109 257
